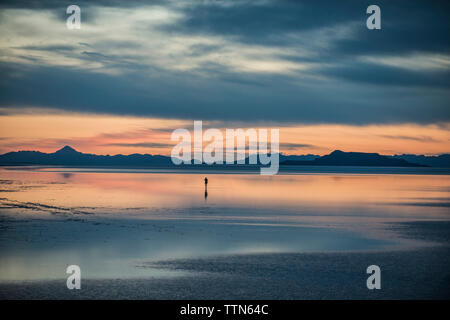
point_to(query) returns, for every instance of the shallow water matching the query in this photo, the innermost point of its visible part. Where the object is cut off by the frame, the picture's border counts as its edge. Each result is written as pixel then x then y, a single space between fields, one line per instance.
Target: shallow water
pixel 111 223
pixel 174 195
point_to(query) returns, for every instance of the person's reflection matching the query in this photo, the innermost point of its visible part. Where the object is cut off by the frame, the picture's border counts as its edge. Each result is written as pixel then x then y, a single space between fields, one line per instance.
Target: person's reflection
pixel 206 188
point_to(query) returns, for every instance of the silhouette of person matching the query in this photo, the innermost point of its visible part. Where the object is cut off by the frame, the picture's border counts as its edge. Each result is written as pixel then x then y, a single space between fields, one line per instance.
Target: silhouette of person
pixel 206 188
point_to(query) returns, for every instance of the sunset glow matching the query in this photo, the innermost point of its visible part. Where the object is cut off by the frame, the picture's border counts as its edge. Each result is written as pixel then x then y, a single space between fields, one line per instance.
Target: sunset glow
pixel 106 134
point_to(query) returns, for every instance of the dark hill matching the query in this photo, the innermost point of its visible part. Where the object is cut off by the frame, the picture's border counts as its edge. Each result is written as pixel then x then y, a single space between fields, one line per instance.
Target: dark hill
pixel 70 157
pixel 442 160
pixel 340 158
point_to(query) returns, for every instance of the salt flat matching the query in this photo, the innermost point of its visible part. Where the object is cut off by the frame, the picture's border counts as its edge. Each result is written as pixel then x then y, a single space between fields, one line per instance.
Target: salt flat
pixel 156 236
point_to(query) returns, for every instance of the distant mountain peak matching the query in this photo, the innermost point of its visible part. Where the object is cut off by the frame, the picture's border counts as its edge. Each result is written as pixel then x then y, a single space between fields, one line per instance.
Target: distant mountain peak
pixel 350 153
pixel 340 158
pixel 67 149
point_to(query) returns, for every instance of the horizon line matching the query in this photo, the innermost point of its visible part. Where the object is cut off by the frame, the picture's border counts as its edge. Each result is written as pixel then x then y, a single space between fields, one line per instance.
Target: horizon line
pixel 246 152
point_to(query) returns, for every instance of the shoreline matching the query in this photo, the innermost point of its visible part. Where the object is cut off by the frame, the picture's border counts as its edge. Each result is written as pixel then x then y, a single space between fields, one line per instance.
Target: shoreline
pixel 234 169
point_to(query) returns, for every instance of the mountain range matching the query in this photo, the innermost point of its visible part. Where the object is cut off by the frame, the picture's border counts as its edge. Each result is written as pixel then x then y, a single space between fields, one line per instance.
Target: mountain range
pixel 67 156
pixel 340 158
pixel 71 157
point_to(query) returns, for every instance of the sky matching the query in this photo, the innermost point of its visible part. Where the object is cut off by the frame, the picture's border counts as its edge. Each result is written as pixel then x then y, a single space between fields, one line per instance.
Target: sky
pixel 136 71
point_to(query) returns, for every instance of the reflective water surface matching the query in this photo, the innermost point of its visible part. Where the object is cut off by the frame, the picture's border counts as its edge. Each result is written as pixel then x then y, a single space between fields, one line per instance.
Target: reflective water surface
pixel 111 222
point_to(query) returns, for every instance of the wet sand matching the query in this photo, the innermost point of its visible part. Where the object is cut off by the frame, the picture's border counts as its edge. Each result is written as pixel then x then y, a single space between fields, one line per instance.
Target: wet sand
pixel 408 273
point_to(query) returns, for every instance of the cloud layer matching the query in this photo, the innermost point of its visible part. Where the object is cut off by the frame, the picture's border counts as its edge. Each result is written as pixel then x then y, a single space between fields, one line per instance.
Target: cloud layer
pixel 292 62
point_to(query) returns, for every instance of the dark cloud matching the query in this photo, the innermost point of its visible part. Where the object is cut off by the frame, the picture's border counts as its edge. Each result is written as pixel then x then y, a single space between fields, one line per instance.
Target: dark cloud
pixel 407 26
pixel 180 96
pixel 200 49
pixel 57 4
pixel 388 75
pixel 264 22
pixel 290 146
pixel 413 138
pixel 140 144
pixel 48 47
pixel 338 86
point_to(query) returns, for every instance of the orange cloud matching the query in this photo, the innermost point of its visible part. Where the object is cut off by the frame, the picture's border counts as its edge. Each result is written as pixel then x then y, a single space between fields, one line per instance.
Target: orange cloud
pixel 105 134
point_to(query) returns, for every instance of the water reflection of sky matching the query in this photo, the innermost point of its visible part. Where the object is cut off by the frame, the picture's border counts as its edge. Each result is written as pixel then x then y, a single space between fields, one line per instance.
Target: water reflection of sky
pixel 111 222
pixel 420 196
